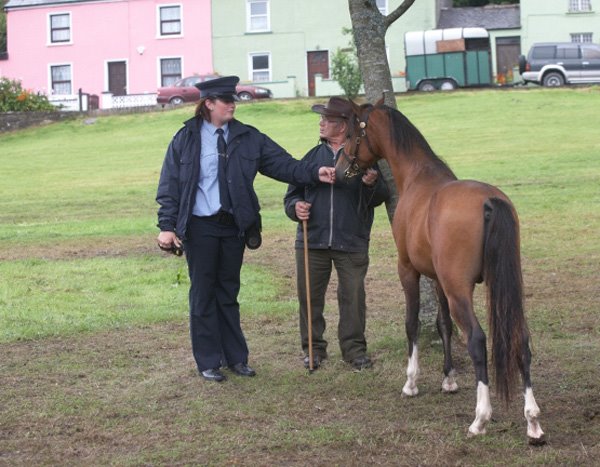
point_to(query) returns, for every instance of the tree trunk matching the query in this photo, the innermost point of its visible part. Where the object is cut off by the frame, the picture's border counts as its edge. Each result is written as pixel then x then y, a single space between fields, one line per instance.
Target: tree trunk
pixel 369 27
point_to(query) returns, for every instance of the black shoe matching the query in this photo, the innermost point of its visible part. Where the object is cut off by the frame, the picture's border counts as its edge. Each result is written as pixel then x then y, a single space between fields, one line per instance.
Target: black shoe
pixel 317 360
pixel 242 369
pixel 213 374
pixel 362 363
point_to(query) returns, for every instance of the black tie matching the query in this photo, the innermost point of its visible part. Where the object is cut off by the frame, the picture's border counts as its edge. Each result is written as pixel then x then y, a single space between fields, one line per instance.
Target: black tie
pixel 223 191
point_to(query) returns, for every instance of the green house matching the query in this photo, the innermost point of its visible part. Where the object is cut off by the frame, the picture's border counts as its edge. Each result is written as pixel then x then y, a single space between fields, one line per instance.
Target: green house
pixel 288 45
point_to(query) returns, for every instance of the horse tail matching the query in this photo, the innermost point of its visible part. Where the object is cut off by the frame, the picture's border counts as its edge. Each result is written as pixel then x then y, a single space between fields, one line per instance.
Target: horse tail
pixel 504 281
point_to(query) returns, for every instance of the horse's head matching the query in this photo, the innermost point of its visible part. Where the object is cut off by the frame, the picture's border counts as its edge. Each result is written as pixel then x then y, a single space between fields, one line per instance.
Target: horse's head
pixel 358 154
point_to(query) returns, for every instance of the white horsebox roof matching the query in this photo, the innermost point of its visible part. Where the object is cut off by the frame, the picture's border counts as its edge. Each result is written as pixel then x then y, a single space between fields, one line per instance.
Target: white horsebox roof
pixel 425 42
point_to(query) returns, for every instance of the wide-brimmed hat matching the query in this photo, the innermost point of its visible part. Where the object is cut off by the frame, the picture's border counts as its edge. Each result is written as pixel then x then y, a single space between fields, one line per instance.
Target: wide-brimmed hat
pixel 335 108
pixel 223 87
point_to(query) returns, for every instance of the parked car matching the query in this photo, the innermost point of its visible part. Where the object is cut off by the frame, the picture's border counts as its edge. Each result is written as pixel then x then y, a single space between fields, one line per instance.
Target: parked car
pixel 559 63
pixel 184 90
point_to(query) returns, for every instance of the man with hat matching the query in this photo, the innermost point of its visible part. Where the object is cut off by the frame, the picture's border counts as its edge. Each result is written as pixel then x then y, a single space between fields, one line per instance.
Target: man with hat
pixel 339 218
pixel 209 208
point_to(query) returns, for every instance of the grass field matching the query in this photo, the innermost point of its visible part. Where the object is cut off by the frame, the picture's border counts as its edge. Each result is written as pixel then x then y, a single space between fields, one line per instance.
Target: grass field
pixel 96 366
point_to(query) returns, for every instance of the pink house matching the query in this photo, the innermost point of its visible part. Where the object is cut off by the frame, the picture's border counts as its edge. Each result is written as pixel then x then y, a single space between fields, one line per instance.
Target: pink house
pixel 121 47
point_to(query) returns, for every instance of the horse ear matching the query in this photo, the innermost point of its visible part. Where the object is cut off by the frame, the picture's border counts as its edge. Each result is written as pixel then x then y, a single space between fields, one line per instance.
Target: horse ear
pixel 380 101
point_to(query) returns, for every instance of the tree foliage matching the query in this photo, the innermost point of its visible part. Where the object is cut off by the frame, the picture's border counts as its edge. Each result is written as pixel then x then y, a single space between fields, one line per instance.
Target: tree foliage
pixel 345 69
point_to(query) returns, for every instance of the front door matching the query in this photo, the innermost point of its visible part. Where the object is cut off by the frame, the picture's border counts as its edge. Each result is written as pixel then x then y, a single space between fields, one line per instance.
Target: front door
pixel 318 63
pixel 507 55
pixel 117 78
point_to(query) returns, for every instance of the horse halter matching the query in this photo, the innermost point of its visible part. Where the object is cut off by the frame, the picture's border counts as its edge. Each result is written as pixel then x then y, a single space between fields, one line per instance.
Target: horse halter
pixel 354 168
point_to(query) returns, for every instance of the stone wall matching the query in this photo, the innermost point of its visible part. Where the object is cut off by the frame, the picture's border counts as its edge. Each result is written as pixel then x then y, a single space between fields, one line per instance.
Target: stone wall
pixel 10 121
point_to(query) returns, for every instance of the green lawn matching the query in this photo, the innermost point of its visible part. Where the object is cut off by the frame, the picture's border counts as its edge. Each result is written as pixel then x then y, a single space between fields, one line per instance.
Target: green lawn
pixel 79 186
pixel 96 366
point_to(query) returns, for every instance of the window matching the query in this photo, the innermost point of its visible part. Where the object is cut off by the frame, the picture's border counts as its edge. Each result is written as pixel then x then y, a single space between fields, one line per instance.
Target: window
pixel 571 52
pixel 260 67
pixel 582 37
pixel 382 6
pixel 60 76
pixel 170 71
pixel 580 5
pixel 257 16
pixel 170 20
pixel 544 51
pixel 60 28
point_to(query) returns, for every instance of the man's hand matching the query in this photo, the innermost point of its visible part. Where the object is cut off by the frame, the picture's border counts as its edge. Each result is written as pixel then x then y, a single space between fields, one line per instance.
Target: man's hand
pixel 167 239
pixel 327 174
pixel 302 210
pixel 370 177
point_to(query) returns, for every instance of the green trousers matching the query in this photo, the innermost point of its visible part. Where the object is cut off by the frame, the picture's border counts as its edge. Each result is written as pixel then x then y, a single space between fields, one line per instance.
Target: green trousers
pixel 351 271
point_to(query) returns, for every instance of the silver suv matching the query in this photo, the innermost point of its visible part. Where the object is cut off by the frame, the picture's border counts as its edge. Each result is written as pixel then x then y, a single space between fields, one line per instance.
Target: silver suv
pixel 559 63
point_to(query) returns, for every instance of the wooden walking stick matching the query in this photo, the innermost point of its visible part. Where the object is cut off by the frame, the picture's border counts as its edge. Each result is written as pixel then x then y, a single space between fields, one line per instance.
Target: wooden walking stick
pixel 308 302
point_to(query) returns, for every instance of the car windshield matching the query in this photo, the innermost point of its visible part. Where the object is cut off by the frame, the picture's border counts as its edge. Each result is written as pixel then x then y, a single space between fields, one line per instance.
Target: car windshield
pixel 189 81
pixel 193 80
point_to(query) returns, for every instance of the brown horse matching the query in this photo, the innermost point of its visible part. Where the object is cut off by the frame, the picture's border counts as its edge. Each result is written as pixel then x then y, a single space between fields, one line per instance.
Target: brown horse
pixel 459 233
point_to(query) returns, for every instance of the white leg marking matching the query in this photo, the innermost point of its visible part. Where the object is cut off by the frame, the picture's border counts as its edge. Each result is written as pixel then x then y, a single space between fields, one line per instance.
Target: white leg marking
pixel 412 373
pixel 483 411
pixel 449 383
pixel 532 413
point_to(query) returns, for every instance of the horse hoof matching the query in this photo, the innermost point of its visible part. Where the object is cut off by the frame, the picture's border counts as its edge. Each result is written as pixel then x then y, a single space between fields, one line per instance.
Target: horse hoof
pixel 410 392
pixel 472 434
pixel 449 388
pixel 537 441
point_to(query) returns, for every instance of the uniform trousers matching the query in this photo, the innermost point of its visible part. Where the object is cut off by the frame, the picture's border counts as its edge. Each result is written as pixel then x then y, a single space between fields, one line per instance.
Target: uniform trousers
pixel 214 254
pixel 351 271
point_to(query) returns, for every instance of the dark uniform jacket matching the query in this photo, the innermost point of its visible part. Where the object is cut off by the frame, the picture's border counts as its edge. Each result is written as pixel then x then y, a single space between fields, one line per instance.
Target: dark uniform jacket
pixel 341 215
pixel 249 151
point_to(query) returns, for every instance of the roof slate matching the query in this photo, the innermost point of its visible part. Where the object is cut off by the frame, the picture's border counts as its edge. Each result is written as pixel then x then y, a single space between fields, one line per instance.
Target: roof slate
pixel 489 17
pixel 28 3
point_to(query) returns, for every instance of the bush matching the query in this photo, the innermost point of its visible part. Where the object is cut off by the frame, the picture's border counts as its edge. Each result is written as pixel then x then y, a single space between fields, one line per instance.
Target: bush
pixel 346 72
pixel 13 98
pixel 345 69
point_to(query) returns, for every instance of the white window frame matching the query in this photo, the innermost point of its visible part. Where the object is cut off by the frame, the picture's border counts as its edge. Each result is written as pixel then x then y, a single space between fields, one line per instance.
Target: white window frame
pixel 249 17
pixel 50 81
pixel 159 34
pixel 251 69
pixel 580 6
pixel 159 67
pixel 49 23
pixel 582 37
pixel 382 5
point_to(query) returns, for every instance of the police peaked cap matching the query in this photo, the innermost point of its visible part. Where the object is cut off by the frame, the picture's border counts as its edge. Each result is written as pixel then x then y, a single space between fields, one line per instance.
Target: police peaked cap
pixel 219 87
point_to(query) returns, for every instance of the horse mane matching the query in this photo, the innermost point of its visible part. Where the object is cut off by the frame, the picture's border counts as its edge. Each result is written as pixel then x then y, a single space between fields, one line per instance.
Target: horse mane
pixel 406 137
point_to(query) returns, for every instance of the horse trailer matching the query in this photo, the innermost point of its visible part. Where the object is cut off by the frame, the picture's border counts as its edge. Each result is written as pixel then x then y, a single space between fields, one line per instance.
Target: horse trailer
pixel 446 59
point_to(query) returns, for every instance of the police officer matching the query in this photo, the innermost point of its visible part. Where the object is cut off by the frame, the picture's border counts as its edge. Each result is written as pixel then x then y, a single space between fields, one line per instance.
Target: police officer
pixel 208 206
